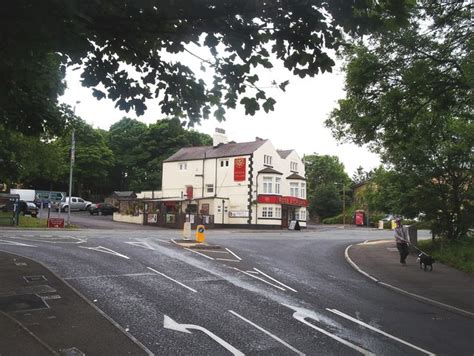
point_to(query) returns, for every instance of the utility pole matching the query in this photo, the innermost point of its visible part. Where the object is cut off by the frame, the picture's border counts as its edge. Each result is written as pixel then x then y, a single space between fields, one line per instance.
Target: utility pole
pixel 73 149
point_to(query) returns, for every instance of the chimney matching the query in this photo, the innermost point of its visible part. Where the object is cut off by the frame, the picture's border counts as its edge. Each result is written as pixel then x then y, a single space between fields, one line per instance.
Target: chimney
pixel 219 137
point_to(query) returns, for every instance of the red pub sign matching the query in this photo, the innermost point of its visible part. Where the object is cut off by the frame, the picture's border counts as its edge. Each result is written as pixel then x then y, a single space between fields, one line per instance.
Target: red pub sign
pixel 56 222
pixel 286 200
pixel 240 169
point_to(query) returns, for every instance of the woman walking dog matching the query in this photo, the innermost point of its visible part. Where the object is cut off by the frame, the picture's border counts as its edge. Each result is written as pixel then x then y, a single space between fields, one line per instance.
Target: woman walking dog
pixel 401 238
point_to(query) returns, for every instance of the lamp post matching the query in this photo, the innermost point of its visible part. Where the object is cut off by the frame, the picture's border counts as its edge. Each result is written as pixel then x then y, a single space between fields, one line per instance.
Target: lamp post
pixel 343 203
pixel 73 154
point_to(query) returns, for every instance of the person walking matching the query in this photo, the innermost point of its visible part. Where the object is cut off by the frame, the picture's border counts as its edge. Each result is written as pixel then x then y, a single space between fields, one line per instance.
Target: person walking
pixel 401 238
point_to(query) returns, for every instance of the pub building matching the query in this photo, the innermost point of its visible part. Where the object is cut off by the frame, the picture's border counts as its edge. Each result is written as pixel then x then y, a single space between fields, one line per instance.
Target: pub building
pixel 229 184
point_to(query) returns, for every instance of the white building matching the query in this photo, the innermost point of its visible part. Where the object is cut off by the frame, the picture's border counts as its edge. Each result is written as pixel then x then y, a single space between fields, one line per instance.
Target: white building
pixel 241 184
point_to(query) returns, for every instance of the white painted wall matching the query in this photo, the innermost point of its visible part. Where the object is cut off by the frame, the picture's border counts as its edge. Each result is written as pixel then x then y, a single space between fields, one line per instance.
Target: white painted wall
pixel 128 218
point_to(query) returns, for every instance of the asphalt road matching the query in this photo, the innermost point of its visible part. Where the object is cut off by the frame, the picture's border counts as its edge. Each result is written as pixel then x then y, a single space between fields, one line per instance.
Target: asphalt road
pixel 263 293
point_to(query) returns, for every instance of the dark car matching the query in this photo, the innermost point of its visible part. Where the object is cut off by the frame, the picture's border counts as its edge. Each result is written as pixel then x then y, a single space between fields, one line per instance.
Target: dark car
pixel 102 209
pixel 28 208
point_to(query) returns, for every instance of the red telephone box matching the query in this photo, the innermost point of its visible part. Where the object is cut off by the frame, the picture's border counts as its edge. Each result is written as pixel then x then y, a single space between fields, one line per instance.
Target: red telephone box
pixel 359 218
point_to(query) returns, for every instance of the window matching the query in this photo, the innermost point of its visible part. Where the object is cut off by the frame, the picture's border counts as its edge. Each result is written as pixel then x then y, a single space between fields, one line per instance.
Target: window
pixel 303 190
pixel 267 160
pixel 277 185
pixel 293 166
pixel 297 215
pixel 224 163
pixel 267 185
pixel 267 212
pixel 183 166
pixel 210 188
pixel 278 212
pixel 303 215
pixel 219 209
pixel 294 189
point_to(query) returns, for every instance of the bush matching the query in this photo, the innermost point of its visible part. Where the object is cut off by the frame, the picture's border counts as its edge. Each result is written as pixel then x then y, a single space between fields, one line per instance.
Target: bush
pixel 337 220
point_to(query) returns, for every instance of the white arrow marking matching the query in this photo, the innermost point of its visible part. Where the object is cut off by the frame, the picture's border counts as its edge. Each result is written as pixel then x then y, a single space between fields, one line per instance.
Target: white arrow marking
pixel 348 317
pixel 141 244
pixel 106 250
pixel 169 323
pixel 301 314
pixel 171 279
pixel 268 333
pixel 274 280
pixel 3 242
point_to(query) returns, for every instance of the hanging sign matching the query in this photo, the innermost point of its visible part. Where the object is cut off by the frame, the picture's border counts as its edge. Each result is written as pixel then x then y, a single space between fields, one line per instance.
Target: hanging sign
pixel 240 169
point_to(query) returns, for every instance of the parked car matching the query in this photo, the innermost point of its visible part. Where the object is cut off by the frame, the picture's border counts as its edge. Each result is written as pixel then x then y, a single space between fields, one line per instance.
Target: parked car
pixel 28 208
pixel 102 209
pixel 75 203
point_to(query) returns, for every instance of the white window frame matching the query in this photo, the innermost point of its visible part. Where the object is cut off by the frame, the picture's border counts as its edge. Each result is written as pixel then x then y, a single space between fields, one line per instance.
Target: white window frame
pixel 183 166
pixel 277 212
pixel 294 189
pixel 267 185
pixel 303 215
pixel 303 190
pixel 277 185
pixel 209 188
pixel 294 166
pixel 267 160
pixel 267 212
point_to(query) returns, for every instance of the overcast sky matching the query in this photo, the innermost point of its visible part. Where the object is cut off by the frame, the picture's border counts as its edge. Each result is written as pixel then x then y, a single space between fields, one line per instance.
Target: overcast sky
pixel 297 122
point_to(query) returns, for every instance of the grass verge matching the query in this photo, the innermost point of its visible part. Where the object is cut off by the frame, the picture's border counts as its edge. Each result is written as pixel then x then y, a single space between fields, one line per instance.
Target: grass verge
pixel 30 222
pixel 458 254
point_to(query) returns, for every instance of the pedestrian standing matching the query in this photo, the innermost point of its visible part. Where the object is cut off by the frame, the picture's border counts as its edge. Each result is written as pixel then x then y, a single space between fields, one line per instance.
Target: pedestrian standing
pixel 402 241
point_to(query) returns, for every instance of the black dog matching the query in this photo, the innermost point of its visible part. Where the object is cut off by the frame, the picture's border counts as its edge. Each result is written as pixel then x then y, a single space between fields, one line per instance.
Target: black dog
pixel 425 260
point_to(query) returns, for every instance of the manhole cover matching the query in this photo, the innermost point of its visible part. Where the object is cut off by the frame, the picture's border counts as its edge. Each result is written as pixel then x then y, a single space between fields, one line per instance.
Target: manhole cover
pixel 16 303
pixel 34 278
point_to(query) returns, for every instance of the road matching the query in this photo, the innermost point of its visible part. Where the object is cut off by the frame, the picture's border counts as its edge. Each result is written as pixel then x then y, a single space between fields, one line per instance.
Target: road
pixel 261 293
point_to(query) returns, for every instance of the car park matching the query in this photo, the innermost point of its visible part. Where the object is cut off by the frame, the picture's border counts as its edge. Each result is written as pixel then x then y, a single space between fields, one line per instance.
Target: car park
pixel 102 209
pixel 74 203
pixel 28 208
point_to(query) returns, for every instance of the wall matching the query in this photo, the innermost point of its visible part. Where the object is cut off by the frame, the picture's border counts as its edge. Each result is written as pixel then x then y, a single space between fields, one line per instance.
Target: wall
pixel 128 218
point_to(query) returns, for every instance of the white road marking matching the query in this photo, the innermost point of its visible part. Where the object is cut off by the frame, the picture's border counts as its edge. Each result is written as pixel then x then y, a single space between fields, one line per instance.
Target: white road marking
pixel 268 333
pixel 4 242
pixel 234 254
pixel 174 280
pixel 226 259
pixel 260 279
pixel 348 317
pixel 111 276
pixel 348 259
pixel 169 323
pixel 38 238
pixel 106 250
pixel 301 314
pixel 141 244
pixel 274 280
pixel 199 253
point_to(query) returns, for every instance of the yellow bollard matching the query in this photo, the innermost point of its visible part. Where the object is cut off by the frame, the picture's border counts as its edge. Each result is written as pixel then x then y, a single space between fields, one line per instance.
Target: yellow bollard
pixel 394 224
pixel 200 237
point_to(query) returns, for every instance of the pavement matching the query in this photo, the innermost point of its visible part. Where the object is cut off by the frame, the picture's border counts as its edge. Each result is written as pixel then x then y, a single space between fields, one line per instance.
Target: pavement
pixel 444 287
pixel 40 314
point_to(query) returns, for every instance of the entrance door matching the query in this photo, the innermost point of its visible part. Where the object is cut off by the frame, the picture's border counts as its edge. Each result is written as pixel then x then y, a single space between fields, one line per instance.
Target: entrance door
pixel 284 217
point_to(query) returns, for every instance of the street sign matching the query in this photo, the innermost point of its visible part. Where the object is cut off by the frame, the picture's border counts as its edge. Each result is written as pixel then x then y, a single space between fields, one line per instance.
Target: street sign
pixel 56 222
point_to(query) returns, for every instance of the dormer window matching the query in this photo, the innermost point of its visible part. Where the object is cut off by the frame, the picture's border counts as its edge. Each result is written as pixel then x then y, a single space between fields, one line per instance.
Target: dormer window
pixel 183 166
pixel 267 160
pixel 294 166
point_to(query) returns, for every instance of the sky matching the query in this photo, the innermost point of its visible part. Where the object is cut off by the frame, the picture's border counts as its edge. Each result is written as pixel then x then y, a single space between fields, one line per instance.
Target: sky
pixel 296 123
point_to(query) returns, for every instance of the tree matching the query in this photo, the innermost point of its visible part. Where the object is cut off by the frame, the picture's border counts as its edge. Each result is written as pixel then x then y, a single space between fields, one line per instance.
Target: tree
pixel 360 175
pixel 326 178
pixel 128 51
pixel 409 95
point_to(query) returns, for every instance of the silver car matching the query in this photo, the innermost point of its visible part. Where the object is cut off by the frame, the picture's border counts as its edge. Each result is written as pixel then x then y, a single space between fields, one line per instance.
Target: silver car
pixel 75 203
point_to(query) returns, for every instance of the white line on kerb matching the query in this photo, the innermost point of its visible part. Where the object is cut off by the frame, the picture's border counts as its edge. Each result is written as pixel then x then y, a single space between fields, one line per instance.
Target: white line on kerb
pixel 348 317
pixel 260 279
pixel 199 253
pixel 174 280
pixel 273 279
pixel 348 259
pixel 268 333
pixel 234 254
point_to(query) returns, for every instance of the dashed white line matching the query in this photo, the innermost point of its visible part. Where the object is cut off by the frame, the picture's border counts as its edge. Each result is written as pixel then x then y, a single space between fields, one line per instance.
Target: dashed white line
pixel 348 317
pixel 174 280
pixel 274 280
pixel 268 333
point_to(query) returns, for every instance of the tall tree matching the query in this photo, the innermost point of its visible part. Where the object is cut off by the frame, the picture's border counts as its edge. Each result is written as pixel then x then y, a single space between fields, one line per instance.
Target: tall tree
pixel 410 95
pixel 128 50
pixel 327 182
